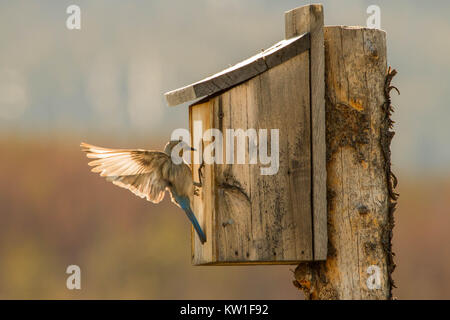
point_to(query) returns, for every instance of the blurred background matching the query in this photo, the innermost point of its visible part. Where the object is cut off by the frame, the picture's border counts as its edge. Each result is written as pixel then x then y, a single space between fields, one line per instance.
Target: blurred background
pixel 104 84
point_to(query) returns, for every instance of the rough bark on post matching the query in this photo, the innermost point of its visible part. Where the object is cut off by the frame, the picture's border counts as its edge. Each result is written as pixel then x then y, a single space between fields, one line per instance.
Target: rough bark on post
pixel 359 182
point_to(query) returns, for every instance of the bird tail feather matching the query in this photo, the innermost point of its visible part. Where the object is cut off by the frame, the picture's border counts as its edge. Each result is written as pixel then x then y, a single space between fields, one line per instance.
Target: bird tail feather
pixel 194 222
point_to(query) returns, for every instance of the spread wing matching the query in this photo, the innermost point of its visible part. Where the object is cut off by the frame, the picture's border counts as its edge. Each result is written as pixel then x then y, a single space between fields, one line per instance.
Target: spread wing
pixel 142 172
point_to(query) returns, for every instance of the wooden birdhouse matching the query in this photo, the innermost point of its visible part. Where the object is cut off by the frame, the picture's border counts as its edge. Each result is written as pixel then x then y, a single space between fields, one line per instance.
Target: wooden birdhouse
pixel 253 211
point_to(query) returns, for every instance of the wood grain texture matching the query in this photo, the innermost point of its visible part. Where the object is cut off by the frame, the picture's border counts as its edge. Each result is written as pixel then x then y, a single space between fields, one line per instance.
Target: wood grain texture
pixel 260 219
pixel 358 200
pixel 310 19
pixel 251 67
pixel 203 205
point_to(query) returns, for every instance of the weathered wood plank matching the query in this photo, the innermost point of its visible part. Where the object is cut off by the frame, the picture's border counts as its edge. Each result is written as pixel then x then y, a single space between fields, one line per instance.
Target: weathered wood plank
pixel 259 63
pixel 232 183
pixel 281 98
pixel 203 205
pixel 298 21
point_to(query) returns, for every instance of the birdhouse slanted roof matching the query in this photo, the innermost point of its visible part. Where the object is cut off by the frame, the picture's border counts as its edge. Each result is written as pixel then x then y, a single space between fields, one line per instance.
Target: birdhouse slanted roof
pixel 242 71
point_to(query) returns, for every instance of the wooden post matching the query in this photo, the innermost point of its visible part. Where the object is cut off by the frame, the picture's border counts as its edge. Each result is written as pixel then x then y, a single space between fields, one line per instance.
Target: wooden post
pixel 359 181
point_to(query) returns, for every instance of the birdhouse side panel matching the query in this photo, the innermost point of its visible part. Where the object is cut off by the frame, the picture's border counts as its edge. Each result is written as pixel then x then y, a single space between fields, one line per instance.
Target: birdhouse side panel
pixel 266 218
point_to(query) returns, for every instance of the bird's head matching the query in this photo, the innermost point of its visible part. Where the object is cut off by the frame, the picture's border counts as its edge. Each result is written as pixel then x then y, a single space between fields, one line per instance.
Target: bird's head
pixel 177 145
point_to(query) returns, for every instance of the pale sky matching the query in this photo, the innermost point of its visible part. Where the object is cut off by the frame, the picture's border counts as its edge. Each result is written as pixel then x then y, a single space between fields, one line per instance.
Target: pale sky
pixel 109 77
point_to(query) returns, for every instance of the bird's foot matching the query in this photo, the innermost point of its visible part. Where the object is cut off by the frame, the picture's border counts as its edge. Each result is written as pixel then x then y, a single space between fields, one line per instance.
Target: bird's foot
pixel 200 173
pixel 200 178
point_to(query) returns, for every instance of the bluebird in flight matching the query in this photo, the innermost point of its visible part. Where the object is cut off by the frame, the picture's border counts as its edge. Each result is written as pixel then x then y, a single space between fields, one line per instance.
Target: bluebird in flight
pixel 148 174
